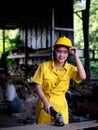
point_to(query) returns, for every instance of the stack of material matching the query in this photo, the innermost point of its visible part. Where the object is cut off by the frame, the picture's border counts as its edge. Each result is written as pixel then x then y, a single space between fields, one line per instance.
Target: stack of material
pixel 84 102
pixel 88 109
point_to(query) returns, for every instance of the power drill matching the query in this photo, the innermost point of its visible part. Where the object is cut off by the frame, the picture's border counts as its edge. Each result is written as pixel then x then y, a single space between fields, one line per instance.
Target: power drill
pixel 57 116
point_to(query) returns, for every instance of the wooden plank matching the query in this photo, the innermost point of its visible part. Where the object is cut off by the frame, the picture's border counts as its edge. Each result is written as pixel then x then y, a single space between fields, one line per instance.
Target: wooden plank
pixel 71 126
pixel 39 54
pixel 19 78
pixel 41 127
pixel 85 124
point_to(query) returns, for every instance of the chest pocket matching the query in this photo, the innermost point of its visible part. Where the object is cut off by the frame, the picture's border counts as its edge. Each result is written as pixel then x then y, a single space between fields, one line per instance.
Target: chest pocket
pixel 61 80
pixel 63 76
pixel 47 76
pixel 47 79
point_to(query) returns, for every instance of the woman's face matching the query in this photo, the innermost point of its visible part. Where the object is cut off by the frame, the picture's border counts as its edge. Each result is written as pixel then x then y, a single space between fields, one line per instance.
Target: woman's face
pixel 61 54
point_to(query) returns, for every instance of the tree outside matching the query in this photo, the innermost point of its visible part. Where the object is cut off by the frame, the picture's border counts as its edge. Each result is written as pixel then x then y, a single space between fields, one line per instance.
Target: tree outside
pixel 93 33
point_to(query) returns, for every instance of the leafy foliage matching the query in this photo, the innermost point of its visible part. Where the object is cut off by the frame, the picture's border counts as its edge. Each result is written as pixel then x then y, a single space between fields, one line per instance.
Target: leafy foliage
pixel 11 38
pixel 11 43
pixel 93 34
pixel 93 27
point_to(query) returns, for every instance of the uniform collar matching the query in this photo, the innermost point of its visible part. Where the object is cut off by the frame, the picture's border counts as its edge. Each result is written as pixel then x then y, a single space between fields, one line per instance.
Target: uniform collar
pixel 65 65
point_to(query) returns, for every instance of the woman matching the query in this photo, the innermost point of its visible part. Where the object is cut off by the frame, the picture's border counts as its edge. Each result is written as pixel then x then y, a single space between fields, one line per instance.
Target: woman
pixel 52 80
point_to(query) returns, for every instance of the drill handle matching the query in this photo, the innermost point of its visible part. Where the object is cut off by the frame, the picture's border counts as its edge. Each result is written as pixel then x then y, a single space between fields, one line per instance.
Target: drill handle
pixel 53 112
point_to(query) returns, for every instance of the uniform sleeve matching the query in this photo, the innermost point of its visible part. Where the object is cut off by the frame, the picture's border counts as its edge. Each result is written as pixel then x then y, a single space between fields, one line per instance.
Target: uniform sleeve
pixel 74 75
pixel 38 76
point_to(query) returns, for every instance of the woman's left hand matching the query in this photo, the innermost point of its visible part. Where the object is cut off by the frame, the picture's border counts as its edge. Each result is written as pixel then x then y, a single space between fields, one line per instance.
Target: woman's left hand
pixel 73 51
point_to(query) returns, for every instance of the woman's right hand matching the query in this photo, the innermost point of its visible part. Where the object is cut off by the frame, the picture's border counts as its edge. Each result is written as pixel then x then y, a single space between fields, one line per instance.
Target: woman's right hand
pixel 47 107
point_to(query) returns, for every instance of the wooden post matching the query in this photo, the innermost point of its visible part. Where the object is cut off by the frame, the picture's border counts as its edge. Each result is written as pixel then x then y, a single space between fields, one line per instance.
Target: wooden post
pixel 85 16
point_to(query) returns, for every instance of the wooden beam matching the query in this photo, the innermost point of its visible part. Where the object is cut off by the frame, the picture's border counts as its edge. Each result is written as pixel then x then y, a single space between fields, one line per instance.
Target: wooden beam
pixel 70 126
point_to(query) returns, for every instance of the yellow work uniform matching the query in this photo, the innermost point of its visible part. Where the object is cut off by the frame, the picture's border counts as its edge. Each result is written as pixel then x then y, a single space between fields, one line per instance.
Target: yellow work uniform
pixel 55 83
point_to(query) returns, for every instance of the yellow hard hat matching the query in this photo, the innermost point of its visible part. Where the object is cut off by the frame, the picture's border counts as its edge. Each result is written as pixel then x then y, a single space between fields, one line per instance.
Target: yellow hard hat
pixel 63 41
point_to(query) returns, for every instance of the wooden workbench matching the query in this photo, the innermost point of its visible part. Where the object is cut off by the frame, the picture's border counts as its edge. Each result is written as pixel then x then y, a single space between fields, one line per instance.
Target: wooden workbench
pixel 71 126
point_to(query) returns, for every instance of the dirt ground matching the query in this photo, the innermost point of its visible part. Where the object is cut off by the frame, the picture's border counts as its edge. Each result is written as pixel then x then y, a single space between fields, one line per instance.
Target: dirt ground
pixel 25 117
